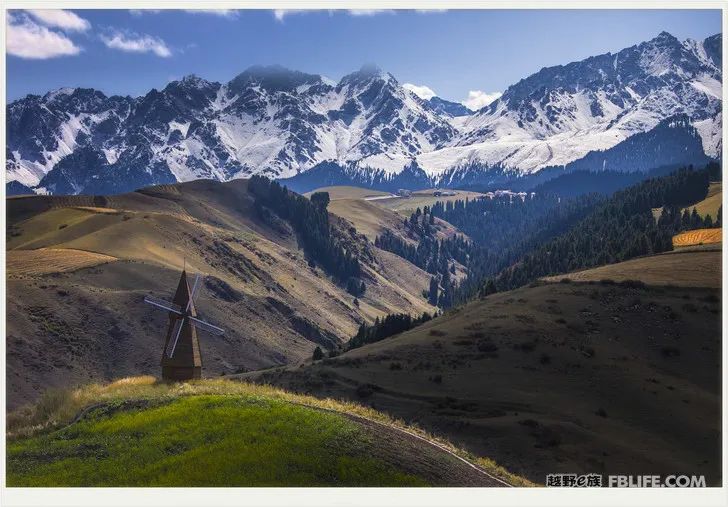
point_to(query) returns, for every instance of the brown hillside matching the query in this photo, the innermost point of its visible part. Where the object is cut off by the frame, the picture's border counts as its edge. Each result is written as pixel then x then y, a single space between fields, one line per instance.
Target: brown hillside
pixel 558 377
pixel 74 315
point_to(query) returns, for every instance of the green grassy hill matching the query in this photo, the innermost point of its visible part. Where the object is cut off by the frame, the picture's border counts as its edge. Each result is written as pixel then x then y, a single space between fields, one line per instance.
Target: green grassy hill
pixel 138 432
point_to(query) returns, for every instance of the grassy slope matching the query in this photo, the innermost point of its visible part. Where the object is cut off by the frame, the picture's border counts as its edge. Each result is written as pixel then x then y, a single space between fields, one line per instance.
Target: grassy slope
pixel 91 323
pixel 402 205
pixel 220 433
pixel 565 377
pixel 422 198
pixel 348 192
pixel 372 217
pixel 367 216
pixel 678 268
pixel 708 206
pixel 713 201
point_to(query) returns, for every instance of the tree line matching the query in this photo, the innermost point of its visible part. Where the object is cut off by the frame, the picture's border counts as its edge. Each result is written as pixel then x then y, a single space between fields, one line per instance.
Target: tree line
pixel 390 325
pixel 310 220
pixel 620 228
pixel 516 239
pixel 501 229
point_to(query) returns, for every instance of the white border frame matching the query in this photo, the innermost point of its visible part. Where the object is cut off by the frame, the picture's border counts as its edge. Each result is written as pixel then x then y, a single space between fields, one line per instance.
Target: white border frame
pixel 318 497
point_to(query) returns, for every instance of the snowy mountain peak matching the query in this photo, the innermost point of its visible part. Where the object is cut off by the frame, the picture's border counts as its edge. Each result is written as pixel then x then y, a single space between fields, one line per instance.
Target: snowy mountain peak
pixel 280 123
pixel 666 37
pixel 192 80
pixel 273 78
pixel 367 74
pixel 48 97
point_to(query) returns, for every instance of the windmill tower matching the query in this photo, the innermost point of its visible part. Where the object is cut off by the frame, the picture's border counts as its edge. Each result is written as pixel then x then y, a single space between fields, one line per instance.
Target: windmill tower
pixel 181 359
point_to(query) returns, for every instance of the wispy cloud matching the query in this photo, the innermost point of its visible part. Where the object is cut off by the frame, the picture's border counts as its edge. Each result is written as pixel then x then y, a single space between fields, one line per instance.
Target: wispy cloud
pixel 369 12
pixel 57 18
pixel 423 92
pixel 140 12
pixel 281 14
pixel 223 13
pixel 478 99
pixel 27 39
pixel 131 42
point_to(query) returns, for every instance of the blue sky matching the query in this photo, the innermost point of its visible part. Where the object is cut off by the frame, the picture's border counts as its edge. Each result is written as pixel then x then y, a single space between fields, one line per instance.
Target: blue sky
pixel 455 53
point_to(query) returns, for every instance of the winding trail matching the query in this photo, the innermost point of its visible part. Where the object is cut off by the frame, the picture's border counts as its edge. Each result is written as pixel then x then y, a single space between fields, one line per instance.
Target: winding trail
pixel 495 481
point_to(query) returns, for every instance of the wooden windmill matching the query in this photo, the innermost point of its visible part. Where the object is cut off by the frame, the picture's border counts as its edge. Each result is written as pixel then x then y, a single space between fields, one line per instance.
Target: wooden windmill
pixel 181 359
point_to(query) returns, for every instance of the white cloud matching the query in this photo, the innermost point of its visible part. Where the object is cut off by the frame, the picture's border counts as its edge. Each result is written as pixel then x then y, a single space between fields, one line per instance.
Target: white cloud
pixel 280 14
pixel 27 39
pixel 136 43
pixel 423 92
pixel 58 18
pixel 369 12
pixel 140 12
pixel 224 13
pixel 478 99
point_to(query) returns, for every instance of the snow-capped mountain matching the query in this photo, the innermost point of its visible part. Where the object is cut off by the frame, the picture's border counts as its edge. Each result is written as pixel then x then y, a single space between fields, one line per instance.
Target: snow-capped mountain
pixel 448 108
pixel 283 124
pixel 562 113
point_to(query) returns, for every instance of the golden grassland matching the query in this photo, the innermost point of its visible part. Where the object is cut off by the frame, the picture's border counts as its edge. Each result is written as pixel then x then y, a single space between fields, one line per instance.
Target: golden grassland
pixel 708 206
pixel 698 268
pixel 711 203
pixel 348 192
pixel 698 237
pixel 52 260
pixel 407 205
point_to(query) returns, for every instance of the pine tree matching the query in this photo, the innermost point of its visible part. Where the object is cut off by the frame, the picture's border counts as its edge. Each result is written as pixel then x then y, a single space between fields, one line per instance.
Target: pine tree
pixel 433 292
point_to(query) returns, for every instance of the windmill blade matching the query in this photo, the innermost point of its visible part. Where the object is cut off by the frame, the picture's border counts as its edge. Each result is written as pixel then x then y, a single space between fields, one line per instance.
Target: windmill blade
pixel 205 326
pixel 193 293
pixel 176 331
pixel 164 305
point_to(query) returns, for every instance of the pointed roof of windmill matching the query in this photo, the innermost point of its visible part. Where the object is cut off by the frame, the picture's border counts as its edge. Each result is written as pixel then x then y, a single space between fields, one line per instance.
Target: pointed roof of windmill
pixel 182 294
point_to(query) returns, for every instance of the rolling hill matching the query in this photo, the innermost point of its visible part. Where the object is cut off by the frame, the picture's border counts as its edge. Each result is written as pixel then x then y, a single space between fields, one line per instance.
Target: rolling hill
pixel 699 268
pixel 373 212
pixel 79 267
pixel 139 432
pixel 575 377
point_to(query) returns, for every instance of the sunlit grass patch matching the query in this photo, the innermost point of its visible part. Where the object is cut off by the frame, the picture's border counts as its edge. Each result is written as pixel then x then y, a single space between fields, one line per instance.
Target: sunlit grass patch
pixel 130 404
pixel 207 440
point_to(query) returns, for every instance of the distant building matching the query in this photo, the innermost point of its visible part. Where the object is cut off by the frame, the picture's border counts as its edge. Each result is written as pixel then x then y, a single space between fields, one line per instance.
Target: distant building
pixel 403 192
pixel 444 193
